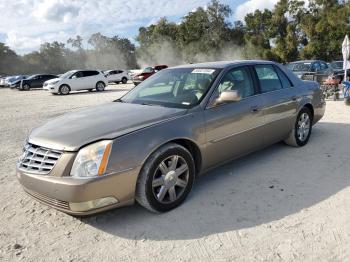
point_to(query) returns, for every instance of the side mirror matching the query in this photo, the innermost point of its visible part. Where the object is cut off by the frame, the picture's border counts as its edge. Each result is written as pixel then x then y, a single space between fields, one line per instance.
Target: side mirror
pixel 73 77
pixel 228 97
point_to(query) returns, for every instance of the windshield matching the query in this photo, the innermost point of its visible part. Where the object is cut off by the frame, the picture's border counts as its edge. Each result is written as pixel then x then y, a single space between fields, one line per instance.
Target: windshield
pixel 68 74
pixel 178 87
pixel 337 65
pixel 300 67
pixel 31 77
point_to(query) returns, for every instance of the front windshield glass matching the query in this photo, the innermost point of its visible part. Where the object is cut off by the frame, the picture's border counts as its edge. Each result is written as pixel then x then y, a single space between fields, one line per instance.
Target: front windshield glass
pixel 337 65
pixel 178 87
pixel 300 67
pixel 68 74
pixel 31 77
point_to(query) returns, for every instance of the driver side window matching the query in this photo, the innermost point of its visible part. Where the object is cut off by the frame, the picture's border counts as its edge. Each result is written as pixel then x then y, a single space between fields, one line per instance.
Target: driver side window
pixel 238 79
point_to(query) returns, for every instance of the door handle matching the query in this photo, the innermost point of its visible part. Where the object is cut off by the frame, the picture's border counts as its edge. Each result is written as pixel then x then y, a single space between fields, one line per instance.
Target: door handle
pixel 255 109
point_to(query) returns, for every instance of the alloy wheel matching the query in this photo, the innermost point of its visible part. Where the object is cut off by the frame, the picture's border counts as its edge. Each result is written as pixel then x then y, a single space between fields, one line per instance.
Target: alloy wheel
pixel 303 127
pixel 100 86
pixel 170 179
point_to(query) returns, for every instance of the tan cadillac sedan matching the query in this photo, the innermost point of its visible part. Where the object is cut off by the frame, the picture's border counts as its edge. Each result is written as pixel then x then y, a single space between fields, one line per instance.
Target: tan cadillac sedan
pixel 153 143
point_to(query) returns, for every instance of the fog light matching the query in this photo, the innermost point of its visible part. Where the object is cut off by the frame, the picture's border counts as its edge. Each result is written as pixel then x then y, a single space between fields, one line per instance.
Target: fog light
pixel 93 204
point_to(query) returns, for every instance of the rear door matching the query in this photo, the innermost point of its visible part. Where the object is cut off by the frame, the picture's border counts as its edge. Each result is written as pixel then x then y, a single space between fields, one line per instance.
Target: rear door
pixel 234 129
pixel 90 79
pixel 280 102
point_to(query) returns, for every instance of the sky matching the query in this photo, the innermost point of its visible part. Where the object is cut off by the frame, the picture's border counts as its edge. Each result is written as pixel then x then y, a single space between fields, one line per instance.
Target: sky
pixel 26 24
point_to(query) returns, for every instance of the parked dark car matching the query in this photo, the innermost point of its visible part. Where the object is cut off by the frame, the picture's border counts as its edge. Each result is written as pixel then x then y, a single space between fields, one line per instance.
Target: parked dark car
pixel 146 73
pixel 13 80
pixel 315 70
pixel 337 67
pixel 34 81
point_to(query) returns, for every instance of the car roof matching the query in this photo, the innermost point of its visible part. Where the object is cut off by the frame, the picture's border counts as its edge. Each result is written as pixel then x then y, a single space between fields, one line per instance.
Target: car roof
pixel 307 61
pixel 224 64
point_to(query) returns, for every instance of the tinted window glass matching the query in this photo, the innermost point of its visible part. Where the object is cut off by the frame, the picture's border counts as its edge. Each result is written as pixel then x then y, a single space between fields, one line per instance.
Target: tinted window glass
pixel 324 66
pixel 286 83
pixel 316 67
pixel 268 78
pixel 91 73
pixel 238 79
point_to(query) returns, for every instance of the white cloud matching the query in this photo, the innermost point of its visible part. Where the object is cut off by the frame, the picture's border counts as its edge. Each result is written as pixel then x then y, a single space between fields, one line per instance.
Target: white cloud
pixel 251 5
pixel 28 23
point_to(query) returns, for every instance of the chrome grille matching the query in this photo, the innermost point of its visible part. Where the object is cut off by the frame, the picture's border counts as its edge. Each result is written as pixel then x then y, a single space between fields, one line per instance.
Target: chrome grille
pixel 38 160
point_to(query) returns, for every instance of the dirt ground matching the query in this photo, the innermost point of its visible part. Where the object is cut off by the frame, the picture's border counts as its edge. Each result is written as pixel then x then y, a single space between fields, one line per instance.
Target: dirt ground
pixel 279 204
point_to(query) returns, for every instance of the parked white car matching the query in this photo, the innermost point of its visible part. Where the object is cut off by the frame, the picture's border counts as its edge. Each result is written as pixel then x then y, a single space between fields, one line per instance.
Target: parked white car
pixel 76 80
pixel 117 76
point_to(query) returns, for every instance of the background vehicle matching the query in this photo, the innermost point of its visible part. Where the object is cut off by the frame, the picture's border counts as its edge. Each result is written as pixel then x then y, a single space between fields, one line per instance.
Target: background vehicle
pixel 34 81
pixel 2 81
pixel 146 73
pixel 193 118
pixel 338 70
pixel 76 80
pixel 315 70
pixel 9 81
pixel 117 76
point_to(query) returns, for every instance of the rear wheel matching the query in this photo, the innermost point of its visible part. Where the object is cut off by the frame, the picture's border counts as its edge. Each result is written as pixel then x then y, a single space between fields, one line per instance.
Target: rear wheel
pixel 64 90
pixel 166 178
pixel 301 132
pixel 124 80
pixel 100 86
pixel 26 87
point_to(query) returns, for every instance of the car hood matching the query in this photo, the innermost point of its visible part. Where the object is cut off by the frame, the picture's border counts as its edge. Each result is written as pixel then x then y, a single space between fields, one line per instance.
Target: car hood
pixel 52 80
pixel 74 130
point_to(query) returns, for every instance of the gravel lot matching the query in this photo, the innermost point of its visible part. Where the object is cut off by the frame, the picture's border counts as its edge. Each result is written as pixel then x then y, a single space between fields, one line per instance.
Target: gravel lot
pixel 279 204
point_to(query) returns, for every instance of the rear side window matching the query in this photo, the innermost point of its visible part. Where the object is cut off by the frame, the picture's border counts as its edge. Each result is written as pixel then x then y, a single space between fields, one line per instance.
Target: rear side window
pixel 90 73
pixel 286 83
pixel 268 78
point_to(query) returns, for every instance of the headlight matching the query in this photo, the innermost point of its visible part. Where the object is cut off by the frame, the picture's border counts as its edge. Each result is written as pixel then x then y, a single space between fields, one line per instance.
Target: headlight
pixel 92 160
pixel 54 82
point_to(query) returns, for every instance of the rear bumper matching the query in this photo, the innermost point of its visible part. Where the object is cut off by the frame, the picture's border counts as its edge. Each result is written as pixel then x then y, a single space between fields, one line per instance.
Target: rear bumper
pixel 81 196
pixel 319 112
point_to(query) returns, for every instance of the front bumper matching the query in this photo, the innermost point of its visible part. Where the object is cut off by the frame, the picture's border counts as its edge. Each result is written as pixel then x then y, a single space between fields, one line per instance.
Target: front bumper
pixel 81 196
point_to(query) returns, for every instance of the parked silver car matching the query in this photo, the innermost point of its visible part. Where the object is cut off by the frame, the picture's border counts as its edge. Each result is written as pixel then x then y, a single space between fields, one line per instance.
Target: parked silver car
pixel 153 143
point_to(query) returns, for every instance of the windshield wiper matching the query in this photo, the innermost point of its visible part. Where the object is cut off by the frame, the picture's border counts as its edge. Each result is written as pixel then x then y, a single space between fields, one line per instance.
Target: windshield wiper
pixel 149 104
pixel 119 100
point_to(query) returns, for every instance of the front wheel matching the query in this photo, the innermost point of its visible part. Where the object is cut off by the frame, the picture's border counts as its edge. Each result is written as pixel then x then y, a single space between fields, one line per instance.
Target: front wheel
pixel 64 90
pixel 26 87
pixel 100 86
pixel 124 80
pixel 301 132
pixel 166 178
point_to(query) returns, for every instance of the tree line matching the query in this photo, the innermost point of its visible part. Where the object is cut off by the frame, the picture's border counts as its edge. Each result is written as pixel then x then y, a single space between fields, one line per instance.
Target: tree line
pixel 292 30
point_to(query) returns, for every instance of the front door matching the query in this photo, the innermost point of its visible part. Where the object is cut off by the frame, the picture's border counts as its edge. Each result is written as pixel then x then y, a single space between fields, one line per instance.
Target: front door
pixel 236 128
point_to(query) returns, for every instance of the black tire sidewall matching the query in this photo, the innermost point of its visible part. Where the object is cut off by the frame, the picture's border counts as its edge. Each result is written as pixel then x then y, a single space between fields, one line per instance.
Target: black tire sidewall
pixel 124 80
pixel 100 90
pixel 160 207
pixel 298 141
pixel 59 90
pixel 26 87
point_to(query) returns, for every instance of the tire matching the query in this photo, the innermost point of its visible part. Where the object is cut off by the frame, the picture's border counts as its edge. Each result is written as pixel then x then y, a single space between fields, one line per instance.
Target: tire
pixel 302 130
pixel 124 80
pixel 64 90
pixel 159 188
pixel 26 87
pixel 100 86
